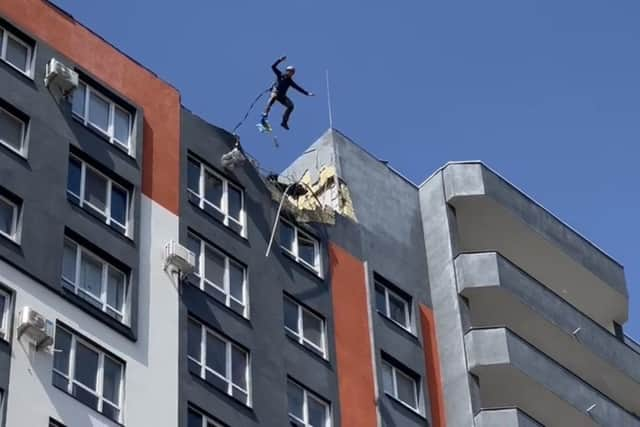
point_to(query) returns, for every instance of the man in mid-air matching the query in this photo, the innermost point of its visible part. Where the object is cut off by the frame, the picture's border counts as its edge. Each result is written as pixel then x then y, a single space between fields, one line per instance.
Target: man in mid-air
pixel 279 92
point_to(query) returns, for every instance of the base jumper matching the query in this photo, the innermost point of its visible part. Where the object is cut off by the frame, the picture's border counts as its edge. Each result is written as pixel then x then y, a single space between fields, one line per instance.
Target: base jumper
pixel 279 92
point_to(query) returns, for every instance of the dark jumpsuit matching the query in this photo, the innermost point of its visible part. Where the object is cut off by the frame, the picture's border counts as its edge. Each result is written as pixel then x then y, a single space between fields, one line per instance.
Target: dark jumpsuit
pixel 279 92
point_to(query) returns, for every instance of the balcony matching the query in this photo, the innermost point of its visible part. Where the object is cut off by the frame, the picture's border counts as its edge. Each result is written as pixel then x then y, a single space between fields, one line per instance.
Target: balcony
pixel 510 417
pixel 513 373
pixel 549 323
pixel 492 215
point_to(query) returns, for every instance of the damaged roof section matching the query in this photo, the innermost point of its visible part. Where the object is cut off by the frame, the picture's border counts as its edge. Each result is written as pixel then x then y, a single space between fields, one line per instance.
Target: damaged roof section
pixel 315 190
pixel 309 200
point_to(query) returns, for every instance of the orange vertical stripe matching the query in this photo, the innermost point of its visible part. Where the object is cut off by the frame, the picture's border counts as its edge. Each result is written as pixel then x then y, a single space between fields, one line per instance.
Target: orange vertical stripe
pixel 353 345
pixel 160 101
pixel 432 362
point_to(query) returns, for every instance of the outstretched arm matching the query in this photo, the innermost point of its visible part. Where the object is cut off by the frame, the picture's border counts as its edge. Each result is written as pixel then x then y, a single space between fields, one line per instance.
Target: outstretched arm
pixel 274 66
pixel 300 89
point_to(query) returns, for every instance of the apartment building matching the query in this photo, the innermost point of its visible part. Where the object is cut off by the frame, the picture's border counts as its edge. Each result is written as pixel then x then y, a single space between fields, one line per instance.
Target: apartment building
pixel 457 302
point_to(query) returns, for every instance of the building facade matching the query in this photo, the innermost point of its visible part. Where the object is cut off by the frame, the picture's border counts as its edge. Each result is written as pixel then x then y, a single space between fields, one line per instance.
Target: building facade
pixel 457 302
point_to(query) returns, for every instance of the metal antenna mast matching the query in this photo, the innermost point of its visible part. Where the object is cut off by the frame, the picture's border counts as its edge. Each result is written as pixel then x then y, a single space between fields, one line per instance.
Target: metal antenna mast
pixel 329 101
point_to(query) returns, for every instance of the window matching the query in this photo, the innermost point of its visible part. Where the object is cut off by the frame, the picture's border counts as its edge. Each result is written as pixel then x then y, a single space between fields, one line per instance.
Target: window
pixel 306 409
pixel 99 195
pixel 5 317
pixel 304 248
pixel 393 306
pixel 16 52
pixel 9 218
pixel 88 373
pixel 219 276
pixel 54 423
pixel 304 326
pixel 400 384
pixel 106 116
pixel 13 131
pixel 94 279
pixel 196 419
pixel 216 196
pixel 218 361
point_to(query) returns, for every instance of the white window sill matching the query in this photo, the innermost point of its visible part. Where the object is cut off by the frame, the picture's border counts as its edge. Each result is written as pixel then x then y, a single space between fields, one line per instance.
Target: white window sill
pixel 407 406
pixel 12 239
pixel 304 264
pixel 398 324
pixel 99 132
pixel 22 153
pixel 28 74
pixel 199 202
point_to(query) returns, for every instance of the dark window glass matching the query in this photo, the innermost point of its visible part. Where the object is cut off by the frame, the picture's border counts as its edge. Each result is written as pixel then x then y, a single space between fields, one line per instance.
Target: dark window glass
pixel 287 236
pixel 119 204
pixel 63 348
pixel 86 366
pixel 291 315
pixel 73 177
pixel 213 189
pixel 194 419
pixel 193 340
pixel 381 304
pixel 216 354
pixel 193 176
pixel 11 130
pixel 307 249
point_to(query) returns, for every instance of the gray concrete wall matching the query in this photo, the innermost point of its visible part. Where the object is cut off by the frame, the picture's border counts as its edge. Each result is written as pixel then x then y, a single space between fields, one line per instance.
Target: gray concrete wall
pixel 437 220
pixel 503 350
pixel 273 355
pixel 389 230
pixel 40 181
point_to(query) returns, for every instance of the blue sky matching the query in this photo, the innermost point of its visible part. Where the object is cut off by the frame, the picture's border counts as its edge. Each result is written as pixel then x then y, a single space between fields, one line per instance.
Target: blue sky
pixel 545 92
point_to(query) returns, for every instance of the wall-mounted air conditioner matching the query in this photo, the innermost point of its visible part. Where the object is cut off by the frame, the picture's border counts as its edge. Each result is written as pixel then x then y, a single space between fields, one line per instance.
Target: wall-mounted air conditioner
pixel 34 326
pixel 60 76
pixel 179 258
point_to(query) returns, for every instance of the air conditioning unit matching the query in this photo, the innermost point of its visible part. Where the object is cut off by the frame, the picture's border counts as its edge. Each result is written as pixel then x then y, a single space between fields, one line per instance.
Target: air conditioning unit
pixel 61 76
pixel 179 257
pixel 35 326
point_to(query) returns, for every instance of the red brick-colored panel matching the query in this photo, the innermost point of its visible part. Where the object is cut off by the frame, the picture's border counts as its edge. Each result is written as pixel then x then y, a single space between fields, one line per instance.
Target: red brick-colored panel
pixel 160 101
pixel 353 343
pixel 432 361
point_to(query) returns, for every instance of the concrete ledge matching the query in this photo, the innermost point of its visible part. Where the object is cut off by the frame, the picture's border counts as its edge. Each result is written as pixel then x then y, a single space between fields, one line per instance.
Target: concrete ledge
pixel 475 180
pixel 514 373
pixel 505 418
pixel 492 272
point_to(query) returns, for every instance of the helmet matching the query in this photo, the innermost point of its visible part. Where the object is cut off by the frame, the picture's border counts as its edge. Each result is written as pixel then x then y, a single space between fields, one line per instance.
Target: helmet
pixel 291 68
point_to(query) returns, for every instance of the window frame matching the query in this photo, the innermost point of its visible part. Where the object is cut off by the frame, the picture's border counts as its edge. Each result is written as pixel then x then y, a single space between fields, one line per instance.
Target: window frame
pixel 15 219
pixel 24 133
pixel 5 317
pixel 200 273
pixel 84 118
pixel 229 346
pixel 317 267
pixel 407 303
pixel 80 199
pixel 306 393
pixel 70 377
pixel 300 337
pixel 206 420
pixel 104 281
pixel 223 209
pixel 417 390
pixel 4 40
